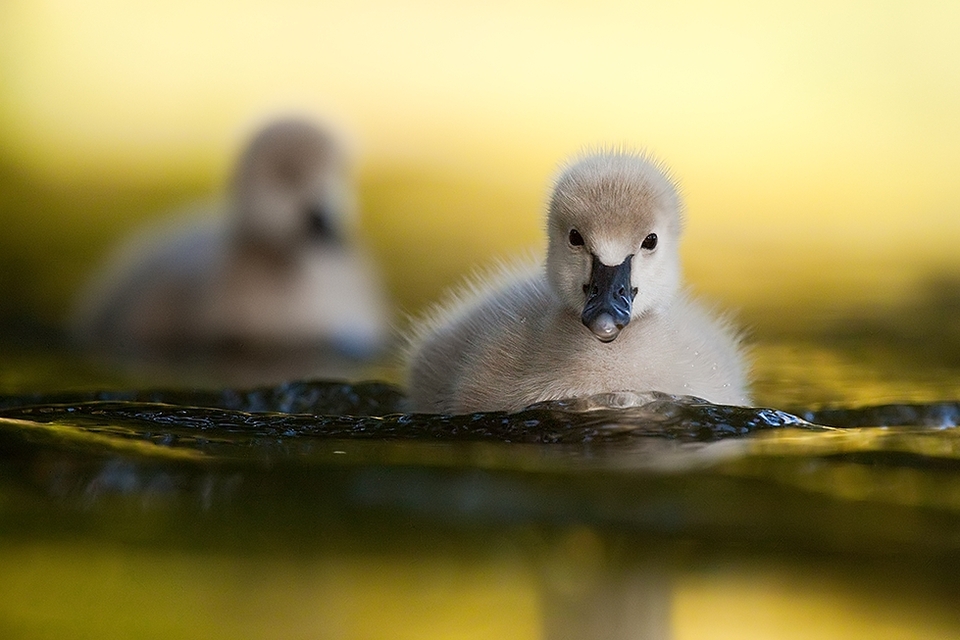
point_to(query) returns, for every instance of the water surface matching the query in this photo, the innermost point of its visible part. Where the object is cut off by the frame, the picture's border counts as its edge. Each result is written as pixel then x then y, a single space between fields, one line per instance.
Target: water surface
pixel 322 509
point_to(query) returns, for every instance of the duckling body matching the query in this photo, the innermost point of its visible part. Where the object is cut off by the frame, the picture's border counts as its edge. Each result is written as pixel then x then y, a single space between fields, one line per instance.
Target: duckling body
pixel 276 268
pixel 554 332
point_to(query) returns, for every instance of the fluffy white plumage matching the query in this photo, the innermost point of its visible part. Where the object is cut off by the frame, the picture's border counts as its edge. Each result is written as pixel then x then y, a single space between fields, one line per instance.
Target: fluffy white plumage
pixel 523 336
pixel 277 268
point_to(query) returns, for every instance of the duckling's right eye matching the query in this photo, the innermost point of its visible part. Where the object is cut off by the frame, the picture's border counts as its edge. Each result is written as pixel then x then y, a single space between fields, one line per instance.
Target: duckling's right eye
pixel 575 238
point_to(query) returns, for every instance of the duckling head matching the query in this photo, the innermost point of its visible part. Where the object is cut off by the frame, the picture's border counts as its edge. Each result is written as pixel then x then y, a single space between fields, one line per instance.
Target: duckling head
pixel 614 225
pixel 292 188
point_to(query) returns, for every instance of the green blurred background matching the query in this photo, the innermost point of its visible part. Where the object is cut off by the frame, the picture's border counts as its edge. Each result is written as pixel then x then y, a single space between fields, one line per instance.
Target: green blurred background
pixel 817 143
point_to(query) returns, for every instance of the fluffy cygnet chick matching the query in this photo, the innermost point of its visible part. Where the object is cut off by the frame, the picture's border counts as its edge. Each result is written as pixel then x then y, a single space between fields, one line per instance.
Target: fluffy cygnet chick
pixel 606 313
pixel 279 269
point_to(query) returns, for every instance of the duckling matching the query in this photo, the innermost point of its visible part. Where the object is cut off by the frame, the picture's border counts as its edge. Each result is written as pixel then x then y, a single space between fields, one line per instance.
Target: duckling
pixel 605 313
pixel 276 268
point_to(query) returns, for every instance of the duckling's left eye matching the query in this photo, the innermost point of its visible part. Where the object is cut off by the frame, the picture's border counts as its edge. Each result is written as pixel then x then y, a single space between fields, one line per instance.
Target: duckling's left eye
pixel 575 238
pixel 650 242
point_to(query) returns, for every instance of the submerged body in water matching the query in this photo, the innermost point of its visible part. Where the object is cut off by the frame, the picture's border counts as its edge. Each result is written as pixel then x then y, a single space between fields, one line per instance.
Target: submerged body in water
pixel 606 313
pixel 279 270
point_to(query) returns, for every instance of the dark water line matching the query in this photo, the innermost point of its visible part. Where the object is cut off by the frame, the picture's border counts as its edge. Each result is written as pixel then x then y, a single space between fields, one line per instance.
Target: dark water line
pixel 329 397
pixel 539 425
pixel 374 410
pixel 937 414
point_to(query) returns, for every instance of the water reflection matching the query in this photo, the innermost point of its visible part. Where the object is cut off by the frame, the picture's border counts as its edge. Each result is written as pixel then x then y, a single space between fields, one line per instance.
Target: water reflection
pixel 596 518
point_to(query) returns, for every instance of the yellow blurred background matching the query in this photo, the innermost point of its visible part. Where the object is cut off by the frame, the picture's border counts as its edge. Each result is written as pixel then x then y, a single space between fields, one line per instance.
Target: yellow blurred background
pixel 817 143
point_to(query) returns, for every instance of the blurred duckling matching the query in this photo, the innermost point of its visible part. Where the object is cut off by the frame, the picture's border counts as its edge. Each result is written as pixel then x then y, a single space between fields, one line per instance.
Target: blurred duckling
pixel 278 270
pixel 606 313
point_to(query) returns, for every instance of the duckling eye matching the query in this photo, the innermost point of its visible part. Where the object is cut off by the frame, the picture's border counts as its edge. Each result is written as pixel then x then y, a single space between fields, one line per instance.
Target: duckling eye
pixel 650 242
pixel 575 238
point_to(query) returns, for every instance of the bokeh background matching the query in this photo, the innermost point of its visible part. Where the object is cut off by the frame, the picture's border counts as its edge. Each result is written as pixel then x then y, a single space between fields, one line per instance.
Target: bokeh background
pixel 817 145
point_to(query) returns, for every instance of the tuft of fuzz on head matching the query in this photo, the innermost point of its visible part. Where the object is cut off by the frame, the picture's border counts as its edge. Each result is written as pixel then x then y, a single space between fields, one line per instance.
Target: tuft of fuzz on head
pixel 621 182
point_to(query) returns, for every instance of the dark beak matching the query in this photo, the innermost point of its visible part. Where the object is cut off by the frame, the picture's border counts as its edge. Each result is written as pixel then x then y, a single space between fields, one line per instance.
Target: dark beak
pixel 320 227
pixel 609 299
